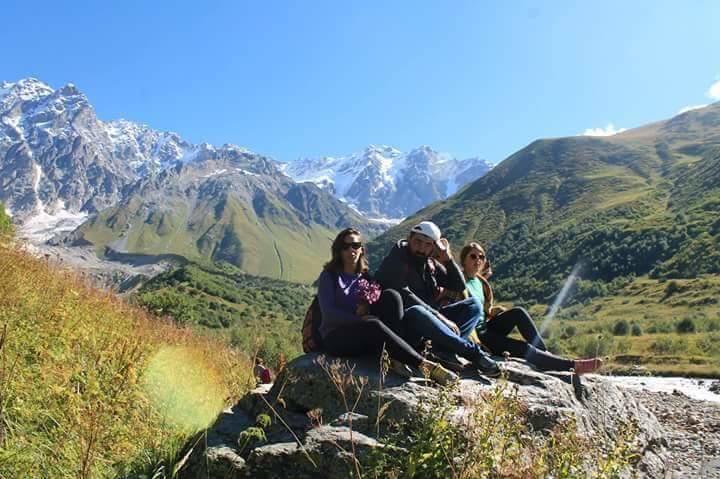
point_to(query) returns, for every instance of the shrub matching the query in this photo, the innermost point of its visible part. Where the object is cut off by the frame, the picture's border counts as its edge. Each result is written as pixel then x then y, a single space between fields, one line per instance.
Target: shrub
pixel 685 326
pixel 569 332
pixel 621 328
pixel 671 288
pixel 635 330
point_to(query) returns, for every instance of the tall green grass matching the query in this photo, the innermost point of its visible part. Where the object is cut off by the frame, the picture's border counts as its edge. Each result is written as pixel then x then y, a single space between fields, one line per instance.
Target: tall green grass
pixel 92 387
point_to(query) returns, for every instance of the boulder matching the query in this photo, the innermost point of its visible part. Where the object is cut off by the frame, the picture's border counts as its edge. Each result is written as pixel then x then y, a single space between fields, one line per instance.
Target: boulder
pixel 323 407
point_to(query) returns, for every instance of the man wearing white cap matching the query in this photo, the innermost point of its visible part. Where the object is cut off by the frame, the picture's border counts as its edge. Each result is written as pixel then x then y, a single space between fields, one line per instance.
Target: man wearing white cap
pixel 411 270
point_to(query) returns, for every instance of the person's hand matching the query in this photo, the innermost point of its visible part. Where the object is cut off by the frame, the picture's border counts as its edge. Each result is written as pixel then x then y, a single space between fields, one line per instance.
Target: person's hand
pixel 454 327
pixel 362 309
pixel 495 311
pixel 443 251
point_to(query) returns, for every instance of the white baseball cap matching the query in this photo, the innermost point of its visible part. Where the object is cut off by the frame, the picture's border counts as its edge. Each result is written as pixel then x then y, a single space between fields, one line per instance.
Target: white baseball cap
pixel 429 229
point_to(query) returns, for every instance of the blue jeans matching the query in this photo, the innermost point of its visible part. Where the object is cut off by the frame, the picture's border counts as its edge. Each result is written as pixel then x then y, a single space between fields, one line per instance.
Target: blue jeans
pixel 420 323
pixel 466 314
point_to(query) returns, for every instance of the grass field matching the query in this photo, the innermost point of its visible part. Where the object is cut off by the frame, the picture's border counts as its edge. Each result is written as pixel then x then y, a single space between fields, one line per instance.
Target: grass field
pixel 671 327
pixel 91 387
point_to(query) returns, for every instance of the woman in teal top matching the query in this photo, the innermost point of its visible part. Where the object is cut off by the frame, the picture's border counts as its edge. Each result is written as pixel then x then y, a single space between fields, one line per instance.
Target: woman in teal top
pixel 497 323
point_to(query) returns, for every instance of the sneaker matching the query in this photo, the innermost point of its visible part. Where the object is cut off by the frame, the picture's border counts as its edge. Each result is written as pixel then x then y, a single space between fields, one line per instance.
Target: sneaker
pixel 442 376
pixel 401 369
pixel 450 361
pixel 486 366
pixel 584 366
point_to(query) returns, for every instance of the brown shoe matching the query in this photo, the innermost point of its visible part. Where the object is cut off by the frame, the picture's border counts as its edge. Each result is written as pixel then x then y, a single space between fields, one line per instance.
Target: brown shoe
pixel 442 376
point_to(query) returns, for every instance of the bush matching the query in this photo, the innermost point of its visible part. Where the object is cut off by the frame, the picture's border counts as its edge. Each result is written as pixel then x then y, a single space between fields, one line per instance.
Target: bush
pixel 635 330
pixel 685 326
pixel 672 288
pixel 568 332
pixel 621 328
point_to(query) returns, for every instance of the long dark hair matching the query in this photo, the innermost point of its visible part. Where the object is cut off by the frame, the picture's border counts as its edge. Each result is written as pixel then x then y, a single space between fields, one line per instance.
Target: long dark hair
pixel 474 245
pixel 335 265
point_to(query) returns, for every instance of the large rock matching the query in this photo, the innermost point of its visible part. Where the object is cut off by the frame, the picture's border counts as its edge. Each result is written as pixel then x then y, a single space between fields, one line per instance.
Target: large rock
pixel 323 406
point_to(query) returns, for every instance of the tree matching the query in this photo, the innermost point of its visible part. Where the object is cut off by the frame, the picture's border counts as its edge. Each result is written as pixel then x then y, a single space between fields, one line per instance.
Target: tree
pixel 635 330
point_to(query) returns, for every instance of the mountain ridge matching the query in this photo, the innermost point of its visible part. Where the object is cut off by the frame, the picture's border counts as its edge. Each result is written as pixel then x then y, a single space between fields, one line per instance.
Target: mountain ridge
pixel 382 181
pixel 630 204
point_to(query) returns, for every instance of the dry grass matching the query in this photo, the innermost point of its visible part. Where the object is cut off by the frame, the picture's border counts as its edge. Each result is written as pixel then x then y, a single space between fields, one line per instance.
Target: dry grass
pixel 93 387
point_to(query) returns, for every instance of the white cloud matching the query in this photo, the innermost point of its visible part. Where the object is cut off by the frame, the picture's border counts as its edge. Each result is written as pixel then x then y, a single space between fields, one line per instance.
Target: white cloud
pixel 609 130
pixel 714 91
pixel 690 108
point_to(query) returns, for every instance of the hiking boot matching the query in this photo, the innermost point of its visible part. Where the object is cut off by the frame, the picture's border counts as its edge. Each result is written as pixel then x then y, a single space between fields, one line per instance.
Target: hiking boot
pixel 401 369
pixel 437 373
pixel 450 361
pixel 486 366
pixel 441 375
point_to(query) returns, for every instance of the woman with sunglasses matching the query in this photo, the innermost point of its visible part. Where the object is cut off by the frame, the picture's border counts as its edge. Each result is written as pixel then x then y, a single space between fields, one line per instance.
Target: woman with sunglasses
pixel 498 323
pixel 351 328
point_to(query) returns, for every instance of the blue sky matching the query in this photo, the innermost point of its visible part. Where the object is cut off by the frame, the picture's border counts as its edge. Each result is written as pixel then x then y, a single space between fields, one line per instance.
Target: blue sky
pixel 290 79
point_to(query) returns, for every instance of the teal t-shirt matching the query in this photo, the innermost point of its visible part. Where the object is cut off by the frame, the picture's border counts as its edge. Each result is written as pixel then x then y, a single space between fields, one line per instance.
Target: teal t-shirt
pixel 475 287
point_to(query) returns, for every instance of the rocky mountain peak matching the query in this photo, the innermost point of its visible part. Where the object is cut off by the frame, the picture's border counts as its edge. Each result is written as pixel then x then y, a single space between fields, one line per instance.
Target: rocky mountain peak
pixel 27 89
pixel 381 181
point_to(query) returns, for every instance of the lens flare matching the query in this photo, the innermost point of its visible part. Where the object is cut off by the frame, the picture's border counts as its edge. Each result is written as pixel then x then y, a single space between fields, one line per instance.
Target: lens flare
pixel 560 299
pixel 187 392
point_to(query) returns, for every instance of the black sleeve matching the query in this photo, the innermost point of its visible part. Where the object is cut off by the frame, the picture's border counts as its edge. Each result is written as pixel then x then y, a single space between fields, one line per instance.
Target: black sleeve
pixel 392 275
pixel 450 277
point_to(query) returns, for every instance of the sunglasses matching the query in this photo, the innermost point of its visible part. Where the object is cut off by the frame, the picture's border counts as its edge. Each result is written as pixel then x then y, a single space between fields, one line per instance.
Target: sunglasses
pixel 475 256
pixel 352 245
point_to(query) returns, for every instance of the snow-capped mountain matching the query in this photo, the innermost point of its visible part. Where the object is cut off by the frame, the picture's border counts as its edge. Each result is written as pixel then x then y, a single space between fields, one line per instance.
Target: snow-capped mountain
pixel 381 181
pixel 56 161
pixel 59 162
pixel 146 150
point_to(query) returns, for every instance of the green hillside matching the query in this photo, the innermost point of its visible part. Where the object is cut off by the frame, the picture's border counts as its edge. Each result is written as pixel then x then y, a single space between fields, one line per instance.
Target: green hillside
pixel 257 314
pixel 5 223
pixel 237 209
pixel 643 202
pixel 668 327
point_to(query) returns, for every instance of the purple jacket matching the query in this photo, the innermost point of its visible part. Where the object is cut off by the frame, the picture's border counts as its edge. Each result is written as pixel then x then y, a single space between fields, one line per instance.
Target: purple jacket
pixel 337 295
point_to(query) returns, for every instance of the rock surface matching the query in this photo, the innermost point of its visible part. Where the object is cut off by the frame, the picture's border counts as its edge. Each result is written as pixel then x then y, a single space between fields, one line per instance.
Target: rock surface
pixel 692 431
pixel 316 440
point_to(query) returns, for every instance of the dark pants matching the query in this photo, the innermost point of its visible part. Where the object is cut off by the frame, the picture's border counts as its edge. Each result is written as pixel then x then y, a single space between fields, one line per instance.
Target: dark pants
pixel 532 349
pixel 370 336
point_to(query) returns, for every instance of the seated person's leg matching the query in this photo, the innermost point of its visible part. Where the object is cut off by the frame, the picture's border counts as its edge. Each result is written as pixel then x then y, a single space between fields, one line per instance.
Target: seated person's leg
pixel 505 322
pixel 389 308
pixel 499 343
pixel 466 314
pixel 420 322
pixel 351 340
pixel 370 336
pixel 396 346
